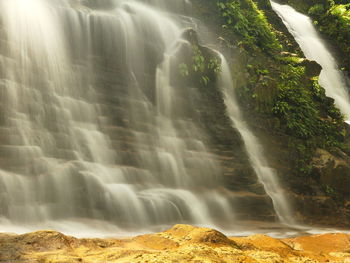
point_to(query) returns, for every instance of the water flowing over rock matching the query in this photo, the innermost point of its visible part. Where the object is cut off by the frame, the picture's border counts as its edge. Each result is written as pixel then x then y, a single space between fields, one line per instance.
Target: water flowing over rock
pixel 96 124
pixel 92 126
pixel 314 48
pixel 254 150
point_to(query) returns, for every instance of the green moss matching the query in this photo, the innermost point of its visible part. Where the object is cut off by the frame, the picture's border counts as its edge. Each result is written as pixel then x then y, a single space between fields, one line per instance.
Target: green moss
pixel 336 24
pixel 250 23
pixel 300 109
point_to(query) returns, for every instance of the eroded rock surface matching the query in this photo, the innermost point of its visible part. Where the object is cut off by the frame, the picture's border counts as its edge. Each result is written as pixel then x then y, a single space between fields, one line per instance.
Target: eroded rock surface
pixel 181 243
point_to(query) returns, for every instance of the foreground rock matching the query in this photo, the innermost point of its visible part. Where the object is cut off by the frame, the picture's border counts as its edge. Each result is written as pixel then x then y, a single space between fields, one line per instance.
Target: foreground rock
pixel 182 243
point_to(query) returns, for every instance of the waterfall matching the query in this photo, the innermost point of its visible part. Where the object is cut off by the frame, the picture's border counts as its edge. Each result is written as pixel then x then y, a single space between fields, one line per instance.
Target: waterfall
pixel 314 48
pixel 266 174
pixel 97 131
pixel 91 130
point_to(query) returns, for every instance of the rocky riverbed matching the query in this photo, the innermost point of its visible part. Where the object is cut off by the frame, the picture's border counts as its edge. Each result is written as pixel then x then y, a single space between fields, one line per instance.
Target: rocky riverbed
pixel 181 243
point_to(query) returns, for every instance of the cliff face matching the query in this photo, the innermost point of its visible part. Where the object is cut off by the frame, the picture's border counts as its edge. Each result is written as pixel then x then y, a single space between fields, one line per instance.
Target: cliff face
pixel 286 107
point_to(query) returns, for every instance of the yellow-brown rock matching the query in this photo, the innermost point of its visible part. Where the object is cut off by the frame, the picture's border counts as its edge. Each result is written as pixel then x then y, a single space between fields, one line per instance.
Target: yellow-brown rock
pixel 181 243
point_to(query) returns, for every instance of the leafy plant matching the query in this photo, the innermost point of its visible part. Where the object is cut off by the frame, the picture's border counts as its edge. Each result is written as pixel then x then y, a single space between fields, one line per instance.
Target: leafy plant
pixel 249 22
pixel 184 70
pixel 317 10
pixel 200 65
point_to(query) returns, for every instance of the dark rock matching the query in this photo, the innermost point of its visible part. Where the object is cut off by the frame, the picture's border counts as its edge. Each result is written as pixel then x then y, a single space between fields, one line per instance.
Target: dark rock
pixel 312 68
pixel 332 171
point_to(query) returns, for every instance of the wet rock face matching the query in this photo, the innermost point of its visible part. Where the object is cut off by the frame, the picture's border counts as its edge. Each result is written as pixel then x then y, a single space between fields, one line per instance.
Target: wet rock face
pixel 181 243
pixel 329 202
pixel 332 171
pixel 211 115
pixel 99 4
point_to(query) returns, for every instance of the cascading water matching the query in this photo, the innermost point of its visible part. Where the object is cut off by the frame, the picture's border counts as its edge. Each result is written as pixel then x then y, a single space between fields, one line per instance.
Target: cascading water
pixel 314 48
pixel 254 150
pixel 85 135
pixel 94 132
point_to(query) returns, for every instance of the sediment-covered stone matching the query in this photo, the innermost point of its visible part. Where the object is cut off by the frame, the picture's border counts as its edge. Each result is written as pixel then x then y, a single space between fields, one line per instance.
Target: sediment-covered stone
pixel 181 243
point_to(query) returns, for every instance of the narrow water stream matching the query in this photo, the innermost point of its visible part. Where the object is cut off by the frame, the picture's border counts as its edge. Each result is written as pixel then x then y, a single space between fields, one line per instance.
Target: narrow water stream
pixel 315 48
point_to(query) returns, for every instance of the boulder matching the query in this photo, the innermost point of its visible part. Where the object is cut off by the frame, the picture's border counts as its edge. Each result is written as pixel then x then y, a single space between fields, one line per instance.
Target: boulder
pixel 312 68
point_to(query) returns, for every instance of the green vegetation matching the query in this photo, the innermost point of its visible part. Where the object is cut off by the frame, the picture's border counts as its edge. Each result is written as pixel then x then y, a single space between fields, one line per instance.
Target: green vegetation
pixel 300 109
pixel 330 191
pixel 335 23
pixel 308 116
pixel 280 86
pixel 250 23
pixel 332 17
pixel 317 10
pixel 201 65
